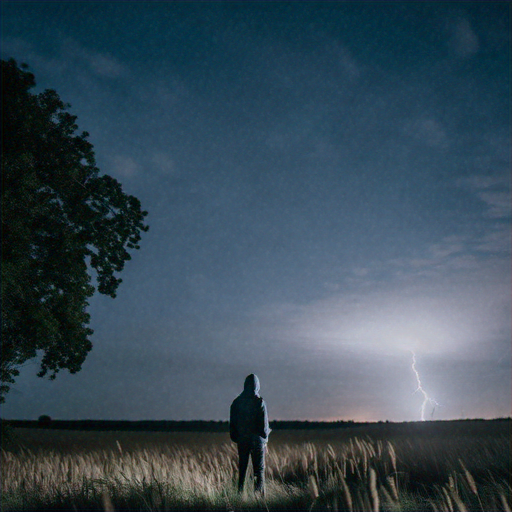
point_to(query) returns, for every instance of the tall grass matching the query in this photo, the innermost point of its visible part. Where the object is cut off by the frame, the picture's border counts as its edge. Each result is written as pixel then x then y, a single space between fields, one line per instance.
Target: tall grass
pixel 328 471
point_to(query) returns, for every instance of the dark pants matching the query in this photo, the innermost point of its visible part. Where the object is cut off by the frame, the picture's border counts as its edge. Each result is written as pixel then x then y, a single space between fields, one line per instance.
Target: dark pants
pixel 255 447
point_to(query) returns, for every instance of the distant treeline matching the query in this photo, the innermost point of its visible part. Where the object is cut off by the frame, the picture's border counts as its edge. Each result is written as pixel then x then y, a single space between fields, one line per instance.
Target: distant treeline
pixel 166 425
pixel 191 426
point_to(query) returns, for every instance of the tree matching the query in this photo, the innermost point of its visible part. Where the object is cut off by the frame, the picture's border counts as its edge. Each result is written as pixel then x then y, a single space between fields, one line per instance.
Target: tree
pixel 61 219
pixel 44 419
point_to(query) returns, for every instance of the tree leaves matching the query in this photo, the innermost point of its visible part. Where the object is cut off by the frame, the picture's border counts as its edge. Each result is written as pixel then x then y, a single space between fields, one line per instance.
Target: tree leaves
pixel 59 216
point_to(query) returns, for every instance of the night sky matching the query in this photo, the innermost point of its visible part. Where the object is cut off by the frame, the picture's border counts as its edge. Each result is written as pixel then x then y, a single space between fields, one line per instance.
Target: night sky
pixel 328 187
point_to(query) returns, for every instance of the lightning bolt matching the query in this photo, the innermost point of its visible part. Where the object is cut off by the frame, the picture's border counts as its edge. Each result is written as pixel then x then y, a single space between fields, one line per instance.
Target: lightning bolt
pixel 426 398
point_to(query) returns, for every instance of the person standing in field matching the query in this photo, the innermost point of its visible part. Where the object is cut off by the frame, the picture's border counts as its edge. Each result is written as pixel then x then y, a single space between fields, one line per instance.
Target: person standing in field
pixel 249 428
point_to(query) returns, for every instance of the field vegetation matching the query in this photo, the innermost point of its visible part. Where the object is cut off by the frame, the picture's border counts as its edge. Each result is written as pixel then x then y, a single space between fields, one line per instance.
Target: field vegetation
pixel 429 466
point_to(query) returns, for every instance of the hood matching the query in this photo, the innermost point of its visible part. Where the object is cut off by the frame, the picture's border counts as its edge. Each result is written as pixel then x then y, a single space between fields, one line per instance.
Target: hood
pixel 251 384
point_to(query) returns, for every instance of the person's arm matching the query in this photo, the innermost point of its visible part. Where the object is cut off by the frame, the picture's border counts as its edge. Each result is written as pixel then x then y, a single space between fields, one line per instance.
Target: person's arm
pixel 233 433
pixel 264 424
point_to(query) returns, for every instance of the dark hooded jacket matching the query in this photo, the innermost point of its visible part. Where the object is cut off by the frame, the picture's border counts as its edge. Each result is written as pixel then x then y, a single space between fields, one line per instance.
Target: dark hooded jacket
pixel 248 414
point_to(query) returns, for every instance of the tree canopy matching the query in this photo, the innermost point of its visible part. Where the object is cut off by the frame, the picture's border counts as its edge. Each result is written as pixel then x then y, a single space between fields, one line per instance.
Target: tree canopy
pixel 61 219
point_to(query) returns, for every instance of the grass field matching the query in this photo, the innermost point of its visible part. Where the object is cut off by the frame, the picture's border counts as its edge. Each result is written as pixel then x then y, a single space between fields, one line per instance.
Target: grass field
pixel 429 466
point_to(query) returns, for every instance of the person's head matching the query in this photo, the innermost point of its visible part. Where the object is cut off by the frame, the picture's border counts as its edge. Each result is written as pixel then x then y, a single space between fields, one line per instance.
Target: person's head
pixel 252 384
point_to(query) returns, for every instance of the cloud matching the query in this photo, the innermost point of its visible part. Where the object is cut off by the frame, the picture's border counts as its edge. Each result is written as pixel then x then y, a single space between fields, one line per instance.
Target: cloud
pixel 483 181
pixel 99 64
pixel 25 52
pixel 499 203
pixel 167 92
pixel 443 250
pixel 345 62
pixel 463 40
pixel 494 191
pixel 163 163
pixel 450 314
pixel 496 241
pixel 471 251
pixel 124 165
pixel 427 131
pixel 105 65
pixel 72 58
pixel 14 46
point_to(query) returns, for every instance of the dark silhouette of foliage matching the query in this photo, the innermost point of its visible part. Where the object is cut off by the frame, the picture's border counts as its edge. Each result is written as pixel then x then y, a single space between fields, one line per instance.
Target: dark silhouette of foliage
pixel 8 436
pixel 417 429
pixel 60 219
pixel 44 419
